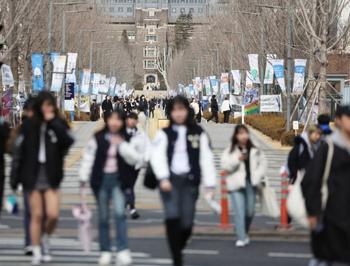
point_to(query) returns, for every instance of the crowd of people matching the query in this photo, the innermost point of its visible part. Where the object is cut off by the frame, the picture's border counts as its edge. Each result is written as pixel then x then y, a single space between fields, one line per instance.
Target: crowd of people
pixel 179 160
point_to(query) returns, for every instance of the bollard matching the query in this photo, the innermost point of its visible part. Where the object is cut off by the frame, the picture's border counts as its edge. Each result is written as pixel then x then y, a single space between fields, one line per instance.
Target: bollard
pixel 225 212
pixel 284 225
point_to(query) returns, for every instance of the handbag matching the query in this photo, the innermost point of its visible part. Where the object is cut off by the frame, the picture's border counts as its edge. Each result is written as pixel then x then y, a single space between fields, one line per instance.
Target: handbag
pixel 269 203
pixel 296 202
pixel 83 215
pixel 150 181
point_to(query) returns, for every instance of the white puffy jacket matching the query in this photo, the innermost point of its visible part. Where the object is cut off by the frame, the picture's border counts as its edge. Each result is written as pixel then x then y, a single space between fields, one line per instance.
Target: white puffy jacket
pixel 235 168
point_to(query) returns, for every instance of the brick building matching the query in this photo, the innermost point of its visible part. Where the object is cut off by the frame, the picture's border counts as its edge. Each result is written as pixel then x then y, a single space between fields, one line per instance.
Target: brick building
pixel 150 28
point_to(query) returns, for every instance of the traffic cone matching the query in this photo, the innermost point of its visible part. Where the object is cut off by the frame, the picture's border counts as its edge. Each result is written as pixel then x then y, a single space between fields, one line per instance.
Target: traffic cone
pixel 284 224
pixel 225 218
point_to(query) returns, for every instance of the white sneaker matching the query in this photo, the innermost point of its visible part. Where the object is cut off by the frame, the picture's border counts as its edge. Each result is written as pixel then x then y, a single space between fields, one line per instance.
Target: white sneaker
pixel 124 258
pixel 46 258
pixel 240 243
pixel 247 241
pixel 45 241
pixel 36 259
pixel 105 258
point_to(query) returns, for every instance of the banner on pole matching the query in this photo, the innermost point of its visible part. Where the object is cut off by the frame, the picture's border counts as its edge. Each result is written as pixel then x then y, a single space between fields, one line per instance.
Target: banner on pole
pixel 271 103
pixel 112 84
pixel 198 84
pixel 59 65
pixel 254 68
pixel 38 72
pixel 278 68
pixel 85 81
pixel 206 87
pixel 299 75
pixel 248 81
pixel 69 97
pixel 6 76
pixel 224 84
pixel 95 83
pixel 236 76
pixel 103 88
pixel 251 101
pixel 214 85
pixel 268 79
pixel 71 66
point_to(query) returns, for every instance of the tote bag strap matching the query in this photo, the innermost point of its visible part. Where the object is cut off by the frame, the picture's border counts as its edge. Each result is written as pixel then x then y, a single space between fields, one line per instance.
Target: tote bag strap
pixel 327 172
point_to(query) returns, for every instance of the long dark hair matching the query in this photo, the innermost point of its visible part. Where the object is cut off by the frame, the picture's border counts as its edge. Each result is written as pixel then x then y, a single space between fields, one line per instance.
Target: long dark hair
pixel 42 97
pixel 122 116
pixel 234 140
pixel 181 100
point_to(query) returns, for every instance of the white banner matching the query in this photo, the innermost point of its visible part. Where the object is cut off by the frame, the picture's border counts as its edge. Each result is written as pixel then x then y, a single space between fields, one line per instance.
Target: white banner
pixel 224 84
pixel 59 64
pixel 248 81
pixel 103 88
pixel 270 103
pixel 254 67
pixel 85 81
pixel 71 66
pixel 112 84
pixel 236 75
pixel 96 83
pixel 278 68
pixel 269 69
pixel 299 75
pixel 197 83
pixel 6 76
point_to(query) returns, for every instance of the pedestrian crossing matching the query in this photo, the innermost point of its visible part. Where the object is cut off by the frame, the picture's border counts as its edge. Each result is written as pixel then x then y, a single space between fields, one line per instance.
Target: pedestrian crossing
pixel 67 252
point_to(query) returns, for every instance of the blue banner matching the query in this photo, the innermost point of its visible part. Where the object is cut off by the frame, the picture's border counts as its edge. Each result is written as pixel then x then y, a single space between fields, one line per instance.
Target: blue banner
pixel 38 72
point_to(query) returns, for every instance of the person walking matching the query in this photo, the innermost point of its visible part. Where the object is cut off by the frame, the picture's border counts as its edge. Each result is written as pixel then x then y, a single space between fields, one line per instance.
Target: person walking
pixel 105 165
pixel 181 159
pixel 143 105
pixel 94 111
pixel 107 107
pixel 214 109
pixel 226 109
pixel 152 107
pixel 43 140
pixel 330 222
pixel 141 143
pixel 245 166
pixel 4 135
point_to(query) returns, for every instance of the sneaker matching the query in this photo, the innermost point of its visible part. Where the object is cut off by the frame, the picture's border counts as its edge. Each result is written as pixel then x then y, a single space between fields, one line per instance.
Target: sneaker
pixel 28 251
pixel 134 214
pixel 124 258
pixel 247 241
pixel 45 242
pixel 240 243
pixel 105 258
pixel 37 257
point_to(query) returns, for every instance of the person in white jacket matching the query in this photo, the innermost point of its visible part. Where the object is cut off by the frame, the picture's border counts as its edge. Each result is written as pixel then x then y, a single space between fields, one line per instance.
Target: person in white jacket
pixel 226 109
pixel 181 160
pixel 105 164
pixel 245 166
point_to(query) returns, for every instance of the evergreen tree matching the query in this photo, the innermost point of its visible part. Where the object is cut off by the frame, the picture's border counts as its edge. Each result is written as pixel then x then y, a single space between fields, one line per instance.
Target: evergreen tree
pixel 183 31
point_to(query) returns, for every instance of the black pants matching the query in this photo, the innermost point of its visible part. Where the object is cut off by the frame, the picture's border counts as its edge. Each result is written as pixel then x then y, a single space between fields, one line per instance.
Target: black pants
pixel 214 115
pixel 130 190
pixel 151 113
pixel 226 116
pixel 180 208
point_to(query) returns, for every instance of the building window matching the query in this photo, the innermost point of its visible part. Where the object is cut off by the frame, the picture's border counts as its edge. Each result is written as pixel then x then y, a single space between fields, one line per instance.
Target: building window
pixel 131 35
pixel 150 64
pixel 191 10
pixel 151 38
pixel 129 10
pixel 120 9
pixel 150 52
pixel 183 10
pixel 200 10
pixel 173 10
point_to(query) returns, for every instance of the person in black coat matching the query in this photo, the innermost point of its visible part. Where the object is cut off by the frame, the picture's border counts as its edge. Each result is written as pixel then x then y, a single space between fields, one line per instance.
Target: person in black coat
pixel 330 226
pixel 107 107
pixel 4 134
pixel 41 145
pixel 305 147
pixel 214 109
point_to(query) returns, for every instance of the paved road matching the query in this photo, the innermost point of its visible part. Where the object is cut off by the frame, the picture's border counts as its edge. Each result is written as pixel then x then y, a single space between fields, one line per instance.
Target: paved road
pixel 210 246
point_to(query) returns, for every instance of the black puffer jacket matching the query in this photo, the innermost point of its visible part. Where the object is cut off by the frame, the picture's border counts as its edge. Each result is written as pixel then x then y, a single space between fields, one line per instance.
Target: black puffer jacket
pixel 25 162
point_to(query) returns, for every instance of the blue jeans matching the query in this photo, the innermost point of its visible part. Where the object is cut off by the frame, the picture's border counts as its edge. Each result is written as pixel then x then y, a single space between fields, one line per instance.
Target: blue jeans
pixel 111 190
pixel 243 204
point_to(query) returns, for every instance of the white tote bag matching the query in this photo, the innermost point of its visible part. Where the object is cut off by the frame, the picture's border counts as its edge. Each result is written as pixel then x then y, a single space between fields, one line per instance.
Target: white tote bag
pixel 296 202
pixel 269 203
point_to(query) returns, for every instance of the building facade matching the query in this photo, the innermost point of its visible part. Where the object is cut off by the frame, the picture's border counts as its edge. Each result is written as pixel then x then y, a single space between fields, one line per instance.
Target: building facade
pixel 150 28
